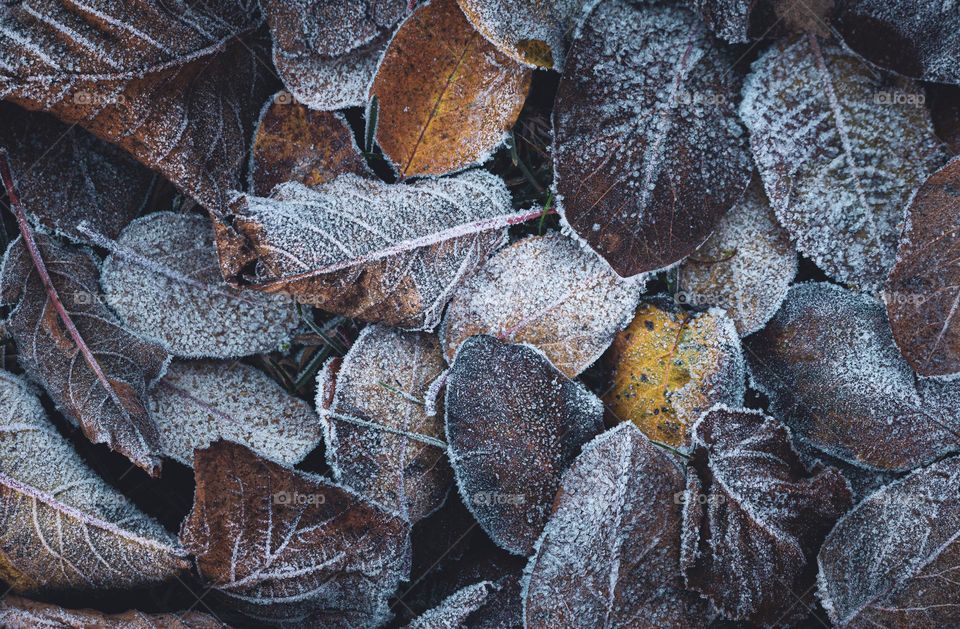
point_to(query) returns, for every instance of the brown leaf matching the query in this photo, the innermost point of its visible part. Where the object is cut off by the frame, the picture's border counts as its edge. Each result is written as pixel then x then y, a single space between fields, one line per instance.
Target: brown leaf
pixel 17 612
pixel 609 556
pixel 514 423
pixel 168 83
pixel 548 292
pixel 446 95
pixel 61 526
pixel 923 291
pixel 382 253
pixel 380 440
pixel 66 176
pixel 890 562
pixel 289 547
pixel 829 366
pixel 293 143
pixel 754 517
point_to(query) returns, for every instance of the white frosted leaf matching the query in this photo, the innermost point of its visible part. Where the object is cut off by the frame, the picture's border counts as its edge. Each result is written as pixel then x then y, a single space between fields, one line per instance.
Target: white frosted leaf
pixel 745 267
pixel 891 561
pixel 729 19
pixel 17 612
pixel 378 252
pixel 829 366
pixel 754 516
pixel 609 556
pixel 483 605
pixel 163 280
pixel 379 439
pixel 290 548
pixel 197 403
pixel 61 525
pixel 840 148
pixel 548 292
pixel 514 423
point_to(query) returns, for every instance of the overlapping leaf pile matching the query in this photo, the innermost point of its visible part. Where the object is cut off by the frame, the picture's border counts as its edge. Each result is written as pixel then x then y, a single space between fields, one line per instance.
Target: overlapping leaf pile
pixel 499 313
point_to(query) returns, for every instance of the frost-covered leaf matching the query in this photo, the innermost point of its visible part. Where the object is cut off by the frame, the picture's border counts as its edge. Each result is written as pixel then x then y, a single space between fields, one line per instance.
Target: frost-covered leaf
pixel 534 32
pixel 740 21
pixel 446 96
pixel 17 612
pixel 745 267
pixel 609 556
pixel 61 525
pixel 163 280
pixel 95 370
pixel 917 39
pixel 548 292
pixel 380 440
pixel 514 423
pixel 829 366
pixel 754 516
pixel 168 82
pixel 65 175
pixel 293 143
pixel 729 19
pixel 382 253
pixel 923 291
pixel 327 52
pixel 840 150
pixel 483 605
pixel 197 403
pixel 670 366
pixel 891 561
pixel 649 151
pixel 289 547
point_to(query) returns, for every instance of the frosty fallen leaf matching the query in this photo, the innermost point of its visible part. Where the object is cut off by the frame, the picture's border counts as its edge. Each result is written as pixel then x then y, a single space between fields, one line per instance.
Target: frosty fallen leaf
pixel 890 561
pixel 446 95
pixel 481 605
pixel 609 556
pixel 923 290
pixel 290 547
pixel 379 439
pixel 61 525
pixel 754 517
pixel 840 150
pixel 649 151
pixel 670 366
pixel 197 403
pixel 548 292
pixel 514 423
pixel 381 253
pixel 17 612
pixel 745 267
pixel 163 280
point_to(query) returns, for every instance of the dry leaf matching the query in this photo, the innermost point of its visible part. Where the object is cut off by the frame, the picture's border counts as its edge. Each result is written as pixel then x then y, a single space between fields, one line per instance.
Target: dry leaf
pixel 514 423
pixel 891 561
pixel 745 267
pixel 840 149
pixel 288 547
pixel 649 151
pixel 95 370
pixel 61 525
pixel 483 605
pixel 609 556
pixel 167 82
pixel 828 365
pixel 293 143
pixel 754 516
pixel 672 365
pixel 381 253
pixel 163 280
pixel 197 403
pixel 446 96
pixel 17 612
pixel 548 292
pixel 729 19
pixel 923 290
pixel 380 440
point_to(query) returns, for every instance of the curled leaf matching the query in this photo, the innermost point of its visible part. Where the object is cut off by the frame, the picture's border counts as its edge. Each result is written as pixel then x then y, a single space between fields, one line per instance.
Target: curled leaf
pixel 548 292
pixel 483 604
pixel 61 526
pixel 17 612
pixel 670 366
pixel 514 423
pixel 380 440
